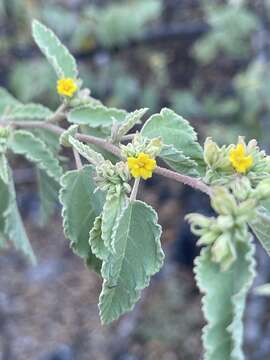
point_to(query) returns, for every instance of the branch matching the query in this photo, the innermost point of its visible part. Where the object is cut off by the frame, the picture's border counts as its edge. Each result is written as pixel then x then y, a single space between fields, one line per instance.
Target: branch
pixel 104 144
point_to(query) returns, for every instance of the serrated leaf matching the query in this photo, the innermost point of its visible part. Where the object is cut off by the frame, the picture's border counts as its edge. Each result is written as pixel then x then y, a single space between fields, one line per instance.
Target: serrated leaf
pixel 35 150
pixel 96 116
pixel 178 161
pixel 224 301
pixel 86 151
pixel 14 228
pixel 138 256
pixel 48 190
pixel 175 130
pixel 56 53
pixel 95 240
pixel 3 168
pixel 7 101
pixel 130 121
pixel 112 210
pixel 261 228
pixel 28 112
pixel 81 205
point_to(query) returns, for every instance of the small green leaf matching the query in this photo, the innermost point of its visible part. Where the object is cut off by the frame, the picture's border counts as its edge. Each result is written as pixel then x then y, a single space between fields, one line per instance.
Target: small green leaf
pixel 35 150
pixel 175 130
pixel 28 112
pixel 130 121
pixel 3 168
pixel 81 205
pixel 95 240
pixel 48 190
pixel 224 301
pixel 14 228
pixel 261 228
pixel 138 256
pixel 112 210
pixel 178 161
pixel 96 116
pixel 86 151
pixel 56 53
pixel 7 101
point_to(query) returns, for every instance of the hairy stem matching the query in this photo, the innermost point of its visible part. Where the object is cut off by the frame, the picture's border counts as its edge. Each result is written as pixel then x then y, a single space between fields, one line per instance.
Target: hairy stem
pixel 77 158
pixel 104 144
pixel 135 189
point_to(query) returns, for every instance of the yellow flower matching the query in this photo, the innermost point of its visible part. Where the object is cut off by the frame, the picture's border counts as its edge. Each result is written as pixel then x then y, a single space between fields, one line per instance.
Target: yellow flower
pixel 239 160
pixel 66 87
pixel 141 166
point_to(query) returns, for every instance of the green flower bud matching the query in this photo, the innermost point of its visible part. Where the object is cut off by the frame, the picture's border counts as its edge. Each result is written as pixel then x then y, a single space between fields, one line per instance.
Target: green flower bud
pixel 223 251
pixel 4 132
pixel 208 238
pixel 211 152
pixel 262 191
pixel 199 223
pixel 241 188
pixel 225 222
pixel 223 201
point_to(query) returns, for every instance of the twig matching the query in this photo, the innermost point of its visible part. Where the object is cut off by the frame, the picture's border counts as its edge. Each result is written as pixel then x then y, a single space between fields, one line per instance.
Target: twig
pixel 135 188
pixel 104 144
pixel 59 114
pixel 77 158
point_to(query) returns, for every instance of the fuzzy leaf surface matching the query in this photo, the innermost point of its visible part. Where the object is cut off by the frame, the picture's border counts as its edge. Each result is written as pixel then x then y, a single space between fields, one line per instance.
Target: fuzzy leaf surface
pixel 7 101
pixel 56 53
pixel 29 112
pixel 261 228
pixel 35 150
pixel 174 130
pixel 14 228
pixel 178 161
pixel 81 205
pixel 96 116
pixel 137 256
pixel 48 190
pixel 224 301
pixel 112 210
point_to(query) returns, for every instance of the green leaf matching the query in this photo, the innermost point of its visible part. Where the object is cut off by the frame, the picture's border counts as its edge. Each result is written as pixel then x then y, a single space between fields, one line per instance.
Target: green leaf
pixel 7 101
pixel 261 228
pixel 112 210
pixel 174 130
pixel 178 161
pixel 28 112
pixel 95 240
pixel 81 205
pixel 4 200
pixel 137 256
pixel 224 301
pixel 130 121
pixel 3 168
pixel 95 116
pixel 35 150
pixel 57 54
pixel 14 228
pixel 48 190
pixel 86 151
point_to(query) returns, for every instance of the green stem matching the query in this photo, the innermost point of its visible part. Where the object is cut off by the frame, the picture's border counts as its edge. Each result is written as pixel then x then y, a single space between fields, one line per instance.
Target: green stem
pixel 135 189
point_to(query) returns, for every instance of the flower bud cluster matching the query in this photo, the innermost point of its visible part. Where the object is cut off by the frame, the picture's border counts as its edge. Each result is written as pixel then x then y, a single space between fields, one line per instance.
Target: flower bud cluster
pixel 226 162
pixel 113 178
pixel 223 233
pixel 140 144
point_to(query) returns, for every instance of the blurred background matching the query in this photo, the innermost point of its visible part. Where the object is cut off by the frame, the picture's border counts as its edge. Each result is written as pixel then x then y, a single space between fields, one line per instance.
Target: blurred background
pixel 207 60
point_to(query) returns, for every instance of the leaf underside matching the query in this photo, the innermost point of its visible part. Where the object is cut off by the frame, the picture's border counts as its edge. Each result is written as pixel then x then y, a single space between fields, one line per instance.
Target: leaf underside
pixel 224 301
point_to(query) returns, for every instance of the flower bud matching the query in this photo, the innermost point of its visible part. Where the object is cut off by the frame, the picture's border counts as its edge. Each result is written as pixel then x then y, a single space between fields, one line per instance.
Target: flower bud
pixel 223 202
pixel 211 152
pixel 223 251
